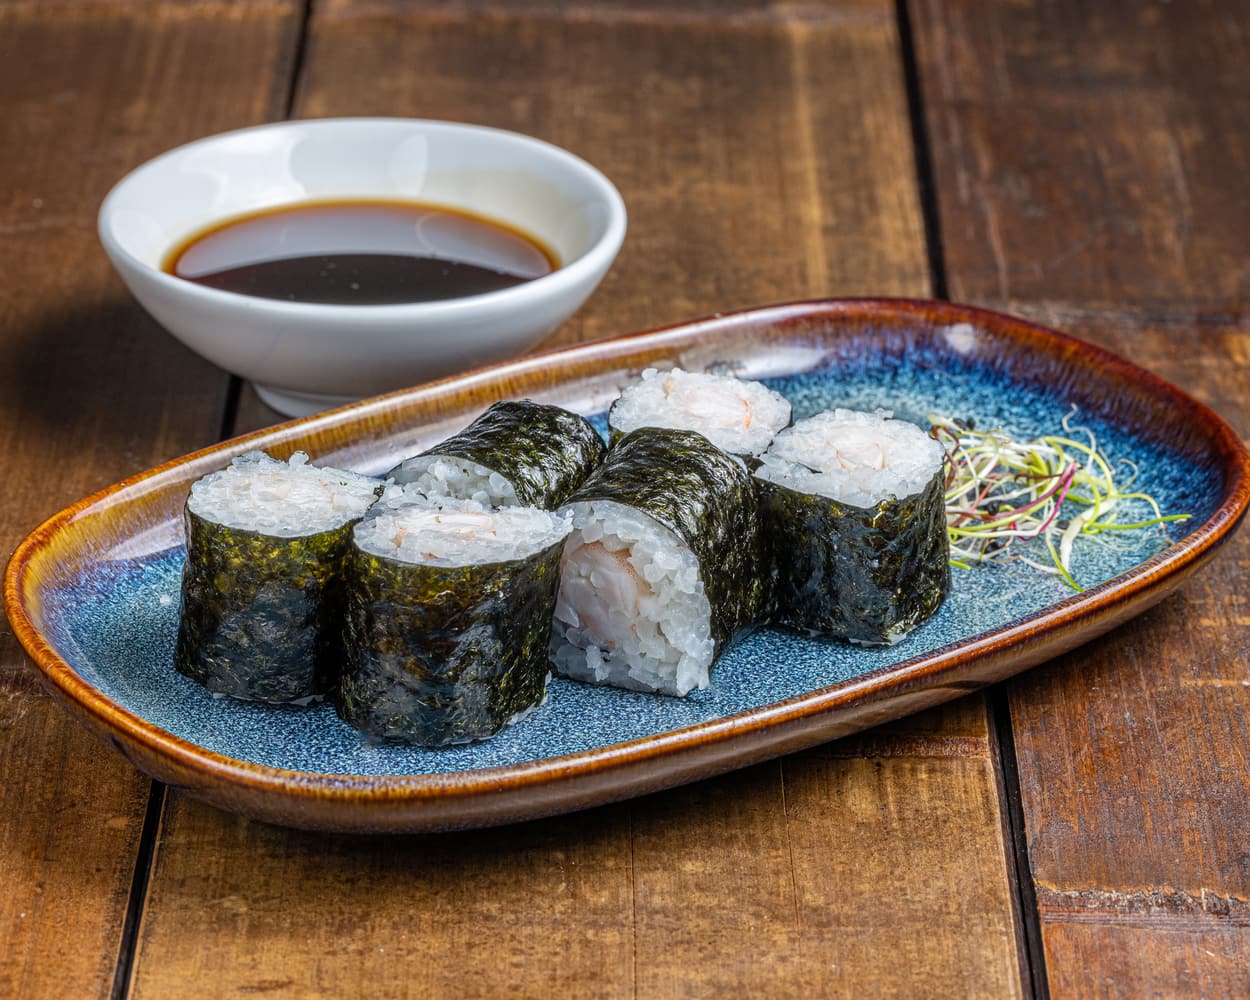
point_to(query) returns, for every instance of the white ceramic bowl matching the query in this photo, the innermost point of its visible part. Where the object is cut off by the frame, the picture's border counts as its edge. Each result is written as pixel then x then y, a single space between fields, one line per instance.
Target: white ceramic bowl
pixel 305 357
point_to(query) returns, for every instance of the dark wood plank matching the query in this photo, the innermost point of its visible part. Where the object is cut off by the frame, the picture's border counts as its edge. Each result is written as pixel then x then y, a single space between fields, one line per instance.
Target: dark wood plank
pixel 1093 153
pixel 759 162
pixel 91 390
pixel 899 872
pixel 717 220
pixel 726 174
pixel 1094 961
pixel 764 153
pixel 787 898
pixel 1134 750
pixel 239 907
pixel 1089 174
pixel 743 883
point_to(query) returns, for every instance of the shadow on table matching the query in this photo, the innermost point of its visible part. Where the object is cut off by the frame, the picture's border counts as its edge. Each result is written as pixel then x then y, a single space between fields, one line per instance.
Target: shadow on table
pixel 106 378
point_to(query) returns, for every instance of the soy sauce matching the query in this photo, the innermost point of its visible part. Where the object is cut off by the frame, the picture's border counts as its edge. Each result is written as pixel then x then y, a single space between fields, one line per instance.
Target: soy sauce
pixel 360 253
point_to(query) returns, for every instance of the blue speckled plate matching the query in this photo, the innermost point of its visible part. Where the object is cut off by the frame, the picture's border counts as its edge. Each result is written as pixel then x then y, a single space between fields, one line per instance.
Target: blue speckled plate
pixel 94 592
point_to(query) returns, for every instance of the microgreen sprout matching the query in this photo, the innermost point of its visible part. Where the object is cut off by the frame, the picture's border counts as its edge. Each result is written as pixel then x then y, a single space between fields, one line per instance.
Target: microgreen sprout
pixel 1058 488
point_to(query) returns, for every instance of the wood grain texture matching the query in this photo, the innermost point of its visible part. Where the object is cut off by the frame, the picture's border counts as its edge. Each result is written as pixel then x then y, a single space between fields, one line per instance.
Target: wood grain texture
pixel 899 872
pixel 617 12
pixel 762 149
pixel 747 883
pixel 1089 174
pixel 764 154
pixel 758 163
pixel 240 907
pixel 1134 750
pixel 1095 961
pixel 1092 153
pixel 90 390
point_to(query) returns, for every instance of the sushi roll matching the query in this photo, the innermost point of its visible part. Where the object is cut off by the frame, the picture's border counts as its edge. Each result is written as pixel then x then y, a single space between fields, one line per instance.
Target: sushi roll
pixel 448 619
pixel 261 615
pixel 515 454
pixel 737 416
pixel 852 506
pixel 662 567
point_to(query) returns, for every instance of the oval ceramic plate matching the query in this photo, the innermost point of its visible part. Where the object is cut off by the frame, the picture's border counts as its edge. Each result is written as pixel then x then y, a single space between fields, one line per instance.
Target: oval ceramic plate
pixel 93 593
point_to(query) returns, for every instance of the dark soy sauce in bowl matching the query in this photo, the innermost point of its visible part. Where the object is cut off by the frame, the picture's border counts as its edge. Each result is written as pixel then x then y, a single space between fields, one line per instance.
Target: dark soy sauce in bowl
pixel 360 253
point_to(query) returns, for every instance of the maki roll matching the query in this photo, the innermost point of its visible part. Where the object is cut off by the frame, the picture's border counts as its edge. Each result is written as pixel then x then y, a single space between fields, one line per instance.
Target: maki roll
pixel 662 567
pixel 737 416
pixel 522 453
pixel 448 619
pixel 853 514
pixel 262 585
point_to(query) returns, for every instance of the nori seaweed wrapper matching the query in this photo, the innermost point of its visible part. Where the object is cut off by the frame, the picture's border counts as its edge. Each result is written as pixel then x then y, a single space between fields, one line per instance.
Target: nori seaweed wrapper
pixel 545 452
pixel 752 462
pixel 439 655
pixel 262 614
pixel 705 497
pixel 868 575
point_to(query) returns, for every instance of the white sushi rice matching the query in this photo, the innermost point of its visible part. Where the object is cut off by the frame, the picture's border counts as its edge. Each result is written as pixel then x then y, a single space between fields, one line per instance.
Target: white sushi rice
pixel 631 611
pixel 282 499
pixel 853 457
pixel 456 478
pixel 456 532
pixel 737 416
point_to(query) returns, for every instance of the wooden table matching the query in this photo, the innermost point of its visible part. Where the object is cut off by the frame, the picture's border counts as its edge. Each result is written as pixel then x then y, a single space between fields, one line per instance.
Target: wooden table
pixel 1082 831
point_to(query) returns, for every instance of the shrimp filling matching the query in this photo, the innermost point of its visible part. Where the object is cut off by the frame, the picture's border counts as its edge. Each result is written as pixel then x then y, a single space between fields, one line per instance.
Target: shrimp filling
pixel 631 611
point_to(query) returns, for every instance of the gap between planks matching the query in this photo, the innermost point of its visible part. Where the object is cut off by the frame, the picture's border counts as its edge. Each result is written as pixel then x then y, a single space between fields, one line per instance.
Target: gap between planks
pixel 149 838
pixel 1027 916
pixel 144 860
